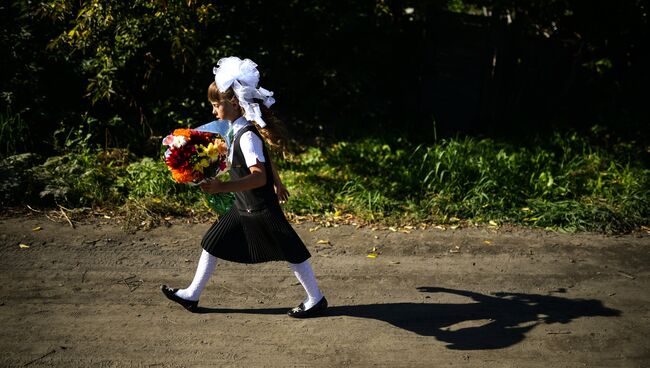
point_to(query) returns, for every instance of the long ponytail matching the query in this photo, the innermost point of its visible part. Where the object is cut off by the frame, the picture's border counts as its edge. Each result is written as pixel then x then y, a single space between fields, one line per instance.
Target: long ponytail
pixel 275 132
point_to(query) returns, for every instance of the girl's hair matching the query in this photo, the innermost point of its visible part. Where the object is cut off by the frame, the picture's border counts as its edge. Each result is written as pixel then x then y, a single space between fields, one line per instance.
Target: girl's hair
pixel 274 133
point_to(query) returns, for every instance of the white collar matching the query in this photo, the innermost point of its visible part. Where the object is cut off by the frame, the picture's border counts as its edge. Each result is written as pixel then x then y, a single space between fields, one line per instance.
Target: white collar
pixel 238 124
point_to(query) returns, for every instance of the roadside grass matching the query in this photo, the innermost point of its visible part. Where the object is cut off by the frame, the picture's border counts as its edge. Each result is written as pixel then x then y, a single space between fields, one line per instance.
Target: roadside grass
pixel 142 188
pixel 566 182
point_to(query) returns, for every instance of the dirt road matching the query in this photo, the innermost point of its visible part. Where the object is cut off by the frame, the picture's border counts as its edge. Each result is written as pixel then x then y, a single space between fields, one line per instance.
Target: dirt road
pixel 89 297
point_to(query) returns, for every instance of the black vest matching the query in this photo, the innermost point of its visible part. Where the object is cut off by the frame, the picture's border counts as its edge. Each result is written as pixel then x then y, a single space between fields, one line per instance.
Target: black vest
pixel 258 198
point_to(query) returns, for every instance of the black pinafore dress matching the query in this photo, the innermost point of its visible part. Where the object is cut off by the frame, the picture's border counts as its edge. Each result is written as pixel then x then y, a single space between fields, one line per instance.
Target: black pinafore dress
pixel 255 229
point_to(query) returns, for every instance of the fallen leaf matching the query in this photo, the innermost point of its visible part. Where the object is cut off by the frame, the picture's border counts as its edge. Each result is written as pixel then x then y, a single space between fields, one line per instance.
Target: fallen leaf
pixel 404 231
pixel 487 242
pixel 23 246
pixel 37 228
pixel 392 229
pixel 453 227
pixel 312 229
pixel 372 255
pixel 107 216
pixel 493 223
pixel 321 241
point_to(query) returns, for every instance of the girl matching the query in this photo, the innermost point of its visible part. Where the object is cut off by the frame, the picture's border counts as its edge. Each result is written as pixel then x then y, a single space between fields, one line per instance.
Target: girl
pixel 255 229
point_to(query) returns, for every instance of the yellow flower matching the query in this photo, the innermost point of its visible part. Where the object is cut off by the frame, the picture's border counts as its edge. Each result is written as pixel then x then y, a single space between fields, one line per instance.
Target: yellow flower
pixel 215 149
pixel 201 150
pixel 201 165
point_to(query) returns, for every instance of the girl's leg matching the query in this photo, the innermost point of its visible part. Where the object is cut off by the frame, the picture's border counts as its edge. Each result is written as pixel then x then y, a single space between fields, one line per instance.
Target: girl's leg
pixel 206 266
pixel 305 275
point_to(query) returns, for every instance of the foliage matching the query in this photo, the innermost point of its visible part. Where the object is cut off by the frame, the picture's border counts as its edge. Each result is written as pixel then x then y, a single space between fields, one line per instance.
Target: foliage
pixel 140 68
pixel 14 134
pixel 78 179
pixel 112 36
pixel 80 75
pixel 16 184
pixel 151 179
pixel 567 183
pixel 90 178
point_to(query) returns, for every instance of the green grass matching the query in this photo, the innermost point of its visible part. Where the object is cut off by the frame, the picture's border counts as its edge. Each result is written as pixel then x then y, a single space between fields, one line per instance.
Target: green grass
pixel 565 182
pixel 115 179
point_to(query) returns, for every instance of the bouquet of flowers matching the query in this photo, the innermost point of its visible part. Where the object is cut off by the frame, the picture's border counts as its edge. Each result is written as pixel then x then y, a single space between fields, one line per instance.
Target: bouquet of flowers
pixel 193 156
pixel 197 154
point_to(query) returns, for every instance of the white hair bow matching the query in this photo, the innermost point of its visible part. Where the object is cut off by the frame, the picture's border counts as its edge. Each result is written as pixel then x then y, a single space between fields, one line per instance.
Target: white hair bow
pixel 243 77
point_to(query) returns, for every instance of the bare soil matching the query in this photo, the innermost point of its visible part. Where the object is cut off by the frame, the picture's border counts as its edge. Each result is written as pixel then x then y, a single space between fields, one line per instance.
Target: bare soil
pixel 89 296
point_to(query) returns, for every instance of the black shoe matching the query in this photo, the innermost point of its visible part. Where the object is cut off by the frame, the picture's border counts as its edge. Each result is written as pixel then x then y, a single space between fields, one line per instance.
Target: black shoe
pixel 171 295
pixel 301 312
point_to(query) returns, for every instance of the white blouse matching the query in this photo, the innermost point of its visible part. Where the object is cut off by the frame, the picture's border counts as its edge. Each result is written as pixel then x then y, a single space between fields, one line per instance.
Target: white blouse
pixel 250 144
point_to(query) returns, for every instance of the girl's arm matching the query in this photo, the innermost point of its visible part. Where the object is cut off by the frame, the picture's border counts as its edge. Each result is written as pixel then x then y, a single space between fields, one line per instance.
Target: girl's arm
pixel 280 190
pixel 256 179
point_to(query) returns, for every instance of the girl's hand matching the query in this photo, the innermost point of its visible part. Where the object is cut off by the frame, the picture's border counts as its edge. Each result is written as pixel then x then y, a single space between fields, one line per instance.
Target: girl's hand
pixel 212 186
pixel 282 192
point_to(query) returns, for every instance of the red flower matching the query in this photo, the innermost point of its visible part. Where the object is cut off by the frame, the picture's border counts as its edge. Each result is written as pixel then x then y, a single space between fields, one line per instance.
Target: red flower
pixel 182 160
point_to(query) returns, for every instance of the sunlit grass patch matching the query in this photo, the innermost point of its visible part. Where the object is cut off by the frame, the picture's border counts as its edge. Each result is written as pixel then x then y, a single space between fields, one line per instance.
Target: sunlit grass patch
pixel 563 183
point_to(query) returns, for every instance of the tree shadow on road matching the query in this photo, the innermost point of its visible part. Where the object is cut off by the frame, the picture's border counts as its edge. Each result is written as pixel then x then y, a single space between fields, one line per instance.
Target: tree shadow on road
pixel 489 322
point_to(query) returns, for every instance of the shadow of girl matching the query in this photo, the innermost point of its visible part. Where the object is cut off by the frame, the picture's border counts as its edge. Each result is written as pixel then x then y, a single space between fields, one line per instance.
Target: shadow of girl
pixel 489 322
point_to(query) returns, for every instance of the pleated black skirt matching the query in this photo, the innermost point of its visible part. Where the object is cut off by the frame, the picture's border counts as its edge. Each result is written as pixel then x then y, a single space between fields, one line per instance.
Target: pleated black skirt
pixel 253 237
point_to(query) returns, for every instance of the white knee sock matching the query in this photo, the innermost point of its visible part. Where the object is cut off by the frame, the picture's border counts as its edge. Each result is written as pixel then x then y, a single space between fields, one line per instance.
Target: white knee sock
pixel 305 275
pixel 204 270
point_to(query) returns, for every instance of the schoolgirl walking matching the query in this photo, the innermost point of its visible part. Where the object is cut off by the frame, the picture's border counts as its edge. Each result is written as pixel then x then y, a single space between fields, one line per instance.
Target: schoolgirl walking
pixel 255 229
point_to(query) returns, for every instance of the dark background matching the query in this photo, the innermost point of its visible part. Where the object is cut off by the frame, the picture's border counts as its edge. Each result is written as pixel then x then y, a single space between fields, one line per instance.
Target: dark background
pixel 422 70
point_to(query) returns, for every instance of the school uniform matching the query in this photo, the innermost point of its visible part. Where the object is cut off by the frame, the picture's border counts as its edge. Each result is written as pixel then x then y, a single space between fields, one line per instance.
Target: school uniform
pixel 255 229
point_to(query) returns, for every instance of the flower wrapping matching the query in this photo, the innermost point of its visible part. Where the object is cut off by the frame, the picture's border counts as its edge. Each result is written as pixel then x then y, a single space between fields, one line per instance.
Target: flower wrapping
pixel 193 156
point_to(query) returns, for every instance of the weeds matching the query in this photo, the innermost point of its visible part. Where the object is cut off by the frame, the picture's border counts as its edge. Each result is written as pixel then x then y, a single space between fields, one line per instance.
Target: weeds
pixel 76 180
pixel 14 134
pixel 565 182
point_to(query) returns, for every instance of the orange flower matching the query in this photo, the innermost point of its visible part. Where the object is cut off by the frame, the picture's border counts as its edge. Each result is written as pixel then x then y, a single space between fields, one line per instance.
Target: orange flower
pixel 183 176
pixel 184 132
pixel 222 148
